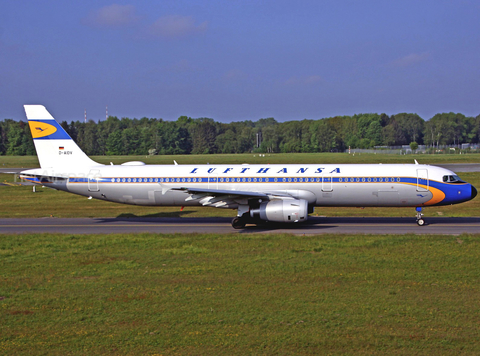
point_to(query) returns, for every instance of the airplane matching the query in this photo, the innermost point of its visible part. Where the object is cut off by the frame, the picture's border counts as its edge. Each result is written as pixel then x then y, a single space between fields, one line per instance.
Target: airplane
pixel 280 193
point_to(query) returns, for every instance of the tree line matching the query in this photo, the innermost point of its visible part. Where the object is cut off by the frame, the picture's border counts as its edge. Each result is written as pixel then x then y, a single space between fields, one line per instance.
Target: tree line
pixel 205 136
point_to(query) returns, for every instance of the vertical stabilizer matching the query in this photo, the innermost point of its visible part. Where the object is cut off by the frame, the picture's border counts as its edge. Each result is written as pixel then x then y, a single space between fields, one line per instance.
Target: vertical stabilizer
pixel 55 148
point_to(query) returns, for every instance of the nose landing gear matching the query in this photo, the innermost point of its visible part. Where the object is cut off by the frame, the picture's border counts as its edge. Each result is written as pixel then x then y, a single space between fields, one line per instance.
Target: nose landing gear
pixel 420 220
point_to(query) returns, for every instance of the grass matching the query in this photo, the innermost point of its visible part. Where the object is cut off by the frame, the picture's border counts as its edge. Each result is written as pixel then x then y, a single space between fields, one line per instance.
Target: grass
pixel 198 294
pixel 20 202
pixel 148 294
pixel 293 158
pixel 325 158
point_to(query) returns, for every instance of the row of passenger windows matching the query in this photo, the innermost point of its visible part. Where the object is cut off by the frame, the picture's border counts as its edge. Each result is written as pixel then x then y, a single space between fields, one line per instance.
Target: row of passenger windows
pixel 249 180
pixel 374 179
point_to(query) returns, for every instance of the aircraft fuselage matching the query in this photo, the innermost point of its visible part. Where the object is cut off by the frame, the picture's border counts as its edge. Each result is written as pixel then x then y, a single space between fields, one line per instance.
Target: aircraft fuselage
pixel 321 185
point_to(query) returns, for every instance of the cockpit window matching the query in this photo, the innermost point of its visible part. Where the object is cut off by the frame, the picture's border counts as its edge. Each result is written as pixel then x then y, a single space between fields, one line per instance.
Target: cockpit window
pixel 452 179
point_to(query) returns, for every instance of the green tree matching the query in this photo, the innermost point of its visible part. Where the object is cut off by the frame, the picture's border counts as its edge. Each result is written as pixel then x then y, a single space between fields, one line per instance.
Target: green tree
pixel 475 131
pixel 323 138
pixel 392 134
pixel 18 142
pixel 172 138
pixel 203 136
pixel 350 132
pixel 458 128
pixel 270 139
pixel 3 139
pixel 412 126
pixel 226 142
pixel 413 146
pixel 132 141
pixel 438 130
pixel 114 144
pixel 291 138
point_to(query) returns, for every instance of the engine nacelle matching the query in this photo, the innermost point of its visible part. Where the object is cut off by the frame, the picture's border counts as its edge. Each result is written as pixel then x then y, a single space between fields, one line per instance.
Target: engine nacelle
pixel 287 211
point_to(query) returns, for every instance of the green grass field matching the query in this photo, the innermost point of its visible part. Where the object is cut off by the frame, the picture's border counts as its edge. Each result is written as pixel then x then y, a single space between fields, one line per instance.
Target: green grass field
pixel 149 294
pixel 32 161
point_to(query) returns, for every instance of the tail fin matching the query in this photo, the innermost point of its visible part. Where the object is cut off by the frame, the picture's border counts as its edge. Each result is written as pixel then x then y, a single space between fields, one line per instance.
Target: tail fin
pixel 55 148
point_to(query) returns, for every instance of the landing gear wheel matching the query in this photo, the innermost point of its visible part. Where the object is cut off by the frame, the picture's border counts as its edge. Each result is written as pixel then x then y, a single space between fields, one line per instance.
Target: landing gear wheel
pixel 420 222
pixel 238 223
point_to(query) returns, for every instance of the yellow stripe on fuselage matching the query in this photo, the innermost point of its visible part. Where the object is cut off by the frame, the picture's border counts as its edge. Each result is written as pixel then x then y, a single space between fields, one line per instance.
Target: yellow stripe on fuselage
pixel 437 194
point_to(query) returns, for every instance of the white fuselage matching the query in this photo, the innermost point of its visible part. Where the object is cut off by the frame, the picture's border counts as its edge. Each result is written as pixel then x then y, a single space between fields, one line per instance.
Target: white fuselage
pixel 319 184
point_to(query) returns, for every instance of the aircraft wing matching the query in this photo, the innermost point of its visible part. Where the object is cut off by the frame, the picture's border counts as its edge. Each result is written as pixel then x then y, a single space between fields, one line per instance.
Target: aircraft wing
pixel 221 198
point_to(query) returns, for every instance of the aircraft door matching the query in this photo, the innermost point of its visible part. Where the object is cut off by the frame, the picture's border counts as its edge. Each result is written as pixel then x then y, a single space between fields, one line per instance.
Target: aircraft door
pixel 213 180
pixel 422 180
pixel 327 183
pixel 92 180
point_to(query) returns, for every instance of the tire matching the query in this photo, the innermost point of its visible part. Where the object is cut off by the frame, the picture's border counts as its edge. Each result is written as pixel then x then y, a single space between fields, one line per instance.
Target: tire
pixel 238 223
pixel 420 222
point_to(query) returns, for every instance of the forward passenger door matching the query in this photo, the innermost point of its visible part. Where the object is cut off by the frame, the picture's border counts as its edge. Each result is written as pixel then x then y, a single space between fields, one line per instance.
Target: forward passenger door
pixel 422 180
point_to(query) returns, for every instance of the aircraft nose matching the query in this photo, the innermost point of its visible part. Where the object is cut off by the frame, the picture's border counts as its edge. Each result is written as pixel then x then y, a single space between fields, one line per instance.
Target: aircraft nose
pixel 474 192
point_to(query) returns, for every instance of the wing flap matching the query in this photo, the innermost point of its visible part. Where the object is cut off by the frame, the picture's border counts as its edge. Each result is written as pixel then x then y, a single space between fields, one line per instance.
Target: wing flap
pixel 221 192
pixel 221 198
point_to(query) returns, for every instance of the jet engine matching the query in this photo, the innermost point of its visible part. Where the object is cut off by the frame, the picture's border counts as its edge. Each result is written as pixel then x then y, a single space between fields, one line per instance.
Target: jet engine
pixel 286 211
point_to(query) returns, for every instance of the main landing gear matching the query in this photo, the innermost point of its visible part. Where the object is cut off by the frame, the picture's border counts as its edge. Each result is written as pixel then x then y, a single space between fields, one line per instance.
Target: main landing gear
pixel 239 222
pixel 242 218
pixel 420 220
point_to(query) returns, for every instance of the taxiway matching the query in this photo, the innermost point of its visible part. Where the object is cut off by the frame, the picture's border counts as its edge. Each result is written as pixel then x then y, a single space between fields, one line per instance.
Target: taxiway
pixel 315 225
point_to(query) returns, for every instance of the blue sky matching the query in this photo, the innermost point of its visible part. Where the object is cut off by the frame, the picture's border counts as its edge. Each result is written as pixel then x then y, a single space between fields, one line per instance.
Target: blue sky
pixel 239 60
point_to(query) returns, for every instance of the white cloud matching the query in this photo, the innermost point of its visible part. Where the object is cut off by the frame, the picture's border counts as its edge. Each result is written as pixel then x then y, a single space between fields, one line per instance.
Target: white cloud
pixel 165 27
pixel 411 59
pixel 112 16
pixel 176 26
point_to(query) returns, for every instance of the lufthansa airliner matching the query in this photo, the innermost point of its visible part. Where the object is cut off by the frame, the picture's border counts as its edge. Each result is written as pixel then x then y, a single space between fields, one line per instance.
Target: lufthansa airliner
pixel 284 193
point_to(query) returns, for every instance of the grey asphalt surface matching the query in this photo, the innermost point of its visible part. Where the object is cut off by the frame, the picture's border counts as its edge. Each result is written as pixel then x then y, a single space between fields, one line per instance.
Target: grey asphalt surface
pixel 12 170
pixel 461 167
pixel 315 225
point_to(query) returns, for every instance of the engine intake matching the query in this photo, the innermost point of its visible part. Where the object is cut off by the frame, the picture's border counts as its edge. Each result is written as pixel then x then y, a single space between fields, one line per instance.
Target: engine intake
pixel 288 211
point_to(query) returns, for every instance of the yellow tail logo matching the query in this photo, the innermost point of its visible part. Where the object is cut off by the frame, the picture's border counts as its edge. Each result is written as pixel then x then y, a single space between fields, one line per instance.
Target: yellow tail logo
pixel 41 129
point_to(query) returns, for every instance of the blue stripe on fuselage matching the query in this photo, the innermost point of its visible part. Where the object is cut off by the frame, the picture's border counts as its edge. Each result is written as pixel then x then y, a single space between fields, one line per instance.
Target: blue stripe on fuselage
pixel 454 192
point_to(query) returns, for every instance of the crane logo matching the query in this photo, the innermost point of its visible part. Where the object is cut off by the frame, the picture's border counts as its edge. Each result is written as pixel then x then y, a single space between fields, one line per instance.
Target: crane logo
pixel 41 129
